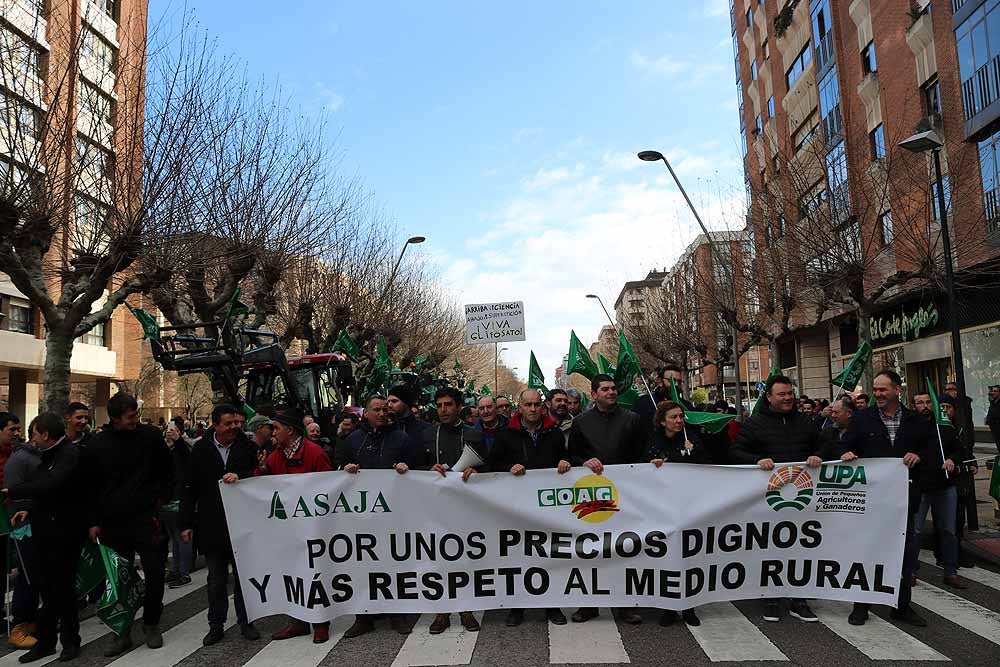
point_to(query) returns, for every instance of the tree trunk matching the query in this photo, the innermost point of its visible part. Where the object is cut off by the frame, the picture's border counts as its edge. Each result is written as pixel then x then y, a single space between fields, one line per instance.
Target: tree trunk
pixel 58 351
pixel 865 334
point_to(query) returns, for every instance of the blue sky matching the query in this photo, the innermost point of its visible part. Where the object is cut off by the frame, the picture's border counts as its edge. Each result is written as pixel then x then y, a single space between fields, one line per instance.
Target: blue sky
pixel 506 133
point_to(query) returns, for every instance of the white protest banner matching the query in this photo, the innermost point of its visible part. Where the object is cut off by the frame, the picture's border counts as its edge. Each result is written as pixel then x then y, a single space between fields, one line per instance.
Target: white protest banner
pixel 321 545
pixel 494 322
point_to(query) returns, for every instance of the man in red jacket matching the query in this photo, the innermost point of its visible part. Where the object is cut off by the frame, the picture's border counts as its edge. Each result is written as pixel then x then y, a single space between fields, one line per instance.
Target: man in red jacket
pixel 293 455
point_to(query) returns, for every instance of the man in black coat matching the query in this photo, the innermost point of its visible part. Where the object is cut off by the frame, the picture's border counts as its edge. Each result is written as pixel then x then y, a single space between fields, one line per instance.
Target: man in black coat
pixel 889 430
pixel 222 453
pixel 607 434
pixel 993 414
pixel 531 441
pixel 59 529
pixel 400 399
pixel 135 476
pixel 779 433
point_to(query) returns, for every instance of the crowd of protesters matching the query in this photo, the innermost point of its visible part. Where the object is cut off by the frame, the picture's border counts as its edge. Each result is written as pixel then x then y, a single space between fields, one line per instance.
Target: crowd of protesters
pixel 149 492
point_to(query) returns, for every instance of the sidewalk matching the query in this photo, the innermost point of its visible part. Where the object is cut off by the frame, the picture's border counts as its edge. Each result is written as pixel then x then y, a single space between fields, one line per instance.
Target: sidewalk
pixel 985 542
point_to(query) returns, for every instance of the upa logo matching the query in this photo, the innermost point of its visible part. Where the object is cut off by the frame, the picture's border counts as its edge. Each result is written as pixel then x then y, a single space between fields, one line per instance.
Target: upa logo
pixel 841 477
pixel 796 478
pixel 593 498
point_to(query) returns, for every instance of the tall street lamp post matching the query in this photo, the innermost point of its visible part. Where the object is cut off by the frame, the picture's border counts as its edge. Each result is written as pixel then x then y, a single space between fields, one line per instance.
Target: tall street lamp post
pixel 622 332
pixel 496 364
pixel 657 156
pixel 413 240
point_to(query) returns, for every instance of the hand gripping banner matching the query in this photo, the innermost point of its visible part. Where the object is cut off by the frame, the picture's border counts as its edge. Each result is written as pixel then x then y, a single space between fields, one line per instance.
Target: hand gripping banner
pixel 321 545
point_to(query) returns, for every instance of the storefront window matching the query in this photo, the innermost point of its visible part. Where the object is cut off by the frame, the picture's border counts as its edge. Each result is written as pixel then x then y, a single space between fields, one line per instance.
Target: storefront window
pixel 892 359
pixel 981 352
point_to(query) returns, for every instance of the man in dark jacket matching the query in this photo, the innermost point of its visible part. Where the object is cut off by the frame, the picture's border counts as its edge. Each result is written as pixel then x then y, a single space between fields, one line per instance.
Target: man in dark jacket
pixel 59 528
pixel 376 445
pixel 19 468
pixel 441 447
pixel 490 422
pixel 993 414
pixel 400 399
pixel 889 430
pixel 607 434
pixel 224 454
pixel 779 433
pixel 136 476
pixel 531 441
pixel 831 440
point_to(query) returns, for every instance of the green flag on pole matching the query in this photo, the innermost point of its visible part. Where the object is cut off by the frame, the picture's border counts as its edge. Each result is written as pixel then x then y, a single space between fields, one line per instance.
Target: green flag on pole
pixel 579 360
pixel 627 399
pixel 346 344
pixel 710 422
pixel 150 329
pixel 627 369
pixel 458 366
pixel 763 397
pixel 90 572
pixel 485 391
pixel 123 594
pixel 604 365
pixel 940 416
pixel 848 378
pixel 536 380
pixel 380 371
pixel 236 307
pixel 995 480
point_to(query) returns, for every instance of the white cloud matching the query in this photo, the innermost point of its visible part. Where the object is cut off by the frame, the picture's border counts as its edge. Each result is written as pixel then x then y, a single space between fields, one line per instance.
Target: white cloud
pixel 327 98
pixel 715 8
pixel 662 65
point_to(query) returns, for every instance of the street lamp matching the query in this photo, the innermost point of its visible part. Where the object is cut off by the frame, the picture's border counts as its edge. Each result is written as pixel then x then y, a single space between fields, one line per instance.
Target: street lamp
pixel 413 240
pixel 496 365
pixel 925 140
pixel 657 156
pixel 622 332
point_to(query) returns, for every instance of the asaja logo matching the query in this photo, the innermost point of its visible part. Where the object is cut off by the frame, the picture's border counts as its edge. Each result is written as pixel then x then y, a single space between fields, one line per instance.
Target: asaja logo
pixel 796 478
pixel 320 505
pixel 593 498
pixel 841 477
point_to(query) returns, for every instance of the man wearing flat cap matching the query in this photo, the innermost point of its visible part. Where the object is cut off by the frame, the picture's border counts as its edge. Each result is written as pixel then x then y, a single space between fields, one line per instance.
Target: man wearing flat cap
pixel 401 398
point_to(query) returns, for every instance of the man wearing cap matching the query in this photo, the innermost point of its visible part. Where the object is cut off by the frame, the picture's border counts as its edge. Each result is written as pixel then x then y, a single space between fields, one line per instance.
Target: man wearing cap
pixel 400 399
pixel 293 455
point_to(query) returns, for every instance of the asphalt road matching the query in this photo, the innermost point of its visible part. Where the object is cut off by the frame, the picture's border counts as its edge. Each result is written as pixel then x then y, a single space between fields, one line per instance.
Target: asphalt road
pixel 963 628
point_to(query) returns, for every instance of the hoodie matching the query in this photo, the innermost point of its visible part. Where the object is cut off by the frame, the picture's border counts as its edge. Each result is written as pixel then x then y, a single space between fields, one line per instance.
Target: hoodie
pixel 22 462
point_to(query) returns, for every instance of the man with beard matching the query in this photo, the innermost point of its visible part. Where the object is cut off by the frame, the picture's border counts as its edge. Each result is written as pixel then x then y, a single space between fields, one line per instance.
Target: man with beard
pixel 401 399
pixel 558 405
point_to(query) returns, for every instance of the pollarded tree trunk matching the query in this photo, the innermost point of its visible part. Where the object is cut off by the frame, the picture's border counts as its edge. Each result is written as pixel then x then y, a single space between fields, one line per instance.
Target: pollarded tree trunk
pixel 58 351
pixel 865 334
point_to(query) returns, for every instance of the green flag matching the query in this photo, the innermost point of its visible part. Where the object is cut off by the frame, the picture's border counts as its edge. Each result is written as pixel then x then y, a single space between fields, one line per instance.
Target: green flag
pixel 90 572
pixel 675 395
pixel 628 365
pixel 380 371
pixel 485 391
pixel 346 344
pixel 236 308
pixel 536 380
pixel 584 401
pixel 579 360
pixel 940 416
pixel 763 397
pixel 458 366
pixel 710 422
pixel 150 329
pixel 123 594
pixel 249 411
pixel 995 480
pixel 604 365
pixel 5 527
pixel 848 378
pixel 627 399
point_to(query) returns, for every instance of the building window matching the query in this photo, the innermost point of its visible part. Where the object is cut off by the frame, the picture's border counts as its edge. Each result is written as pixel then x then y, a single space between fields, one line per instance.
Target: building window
pixel 991 184
pixel 23 55
pixel 885 228
pixel 798 66
pixel 829 105
pixel 758 126
pixel 94 48
pixel 776 164
pixel 868 64
pixel 753 70
pixel 766 49
pixel 978 42
pixel 822 34
pixel 931 94
pixel 94 337
pixel 876 141
pixel 806 137
pixel 111 9
pixel 91 100
pixel 19 317
pixel 935 208
pixel 770 107
pixel 749 17
pixel 781 225
pixel 836 174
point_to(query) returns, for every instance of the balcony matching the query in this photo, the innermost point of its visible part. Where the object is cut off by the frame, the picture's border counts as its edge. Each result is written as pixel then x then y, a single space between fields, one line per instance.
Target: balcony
pixel 981 99
pixel 825 54
pixel 28 17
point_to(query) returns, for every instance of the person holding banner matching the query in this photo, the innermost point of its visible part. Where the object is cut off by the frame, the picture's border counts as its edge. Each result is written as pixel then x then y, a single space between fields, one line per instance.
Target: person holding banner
pixel 609 435
pixel 673 443
pixel 444 448
pixel 531 441
pixel 59 529
pixel 223 453
pixel 779 433
pixel 890 430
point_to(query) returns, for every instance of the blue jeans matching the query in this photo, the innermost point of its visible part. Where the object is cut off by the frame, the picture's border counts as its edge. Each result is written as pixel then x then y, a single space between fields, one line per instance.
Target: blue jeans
pixel 943 505
pixel 182 553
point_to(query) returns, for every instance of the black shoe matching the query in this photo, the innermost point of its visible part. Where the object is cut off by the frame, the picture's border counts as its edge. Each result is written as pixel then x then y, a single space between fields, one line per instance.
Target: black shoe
pixel 966 562
pixel 632 617
pixel 401 623
pixel 69 652
pixel 772 612
pixel 120 645
pixel 37 652
pixel 214 636
pixel 691 618
pixel 362 625
pixel 800 610
pixel 908 616
pixel 668 618
pixel 555 616
pixel 249 633
pixel 858 616
pixel 514 618
pixel 179 582
pixel 154 638
pixel 584 614
pixel 171 576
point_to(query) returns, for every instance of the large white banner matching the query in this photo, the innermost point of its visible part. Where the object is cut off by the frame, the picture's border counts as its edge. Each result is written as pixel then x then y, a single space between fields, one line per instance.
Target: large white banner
pixel 494 322
pixel 320 545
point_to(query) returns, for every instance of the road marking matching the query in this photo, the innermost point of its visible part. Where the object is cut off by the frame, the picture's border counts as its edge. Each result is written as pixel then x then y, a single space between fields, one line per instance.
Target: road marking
pixel 961 612
pixel 300 651
pixel 597 640
pixel 179 642
pixel 725 634
pixel 93 629
pixel 976 574
pixel 877 639
pixel 454 646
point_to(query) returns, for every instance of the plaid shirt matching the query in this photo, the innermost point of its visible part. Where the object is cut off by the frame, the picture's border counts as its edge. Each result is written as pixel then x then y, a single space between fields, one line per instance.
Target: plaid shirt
pixel 891 423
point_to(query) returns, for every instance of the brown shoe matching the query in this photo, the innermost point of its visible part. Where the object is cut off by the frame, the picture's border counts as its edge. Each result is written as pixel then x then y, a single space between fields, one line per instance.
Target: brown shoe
pixel 955 582
pixel 294 629
pixel 441 623
pixel 401 624
pixel 20 637
pixel 631 616
pixel 469 621
pixel 321 633
pixel 584 614
pixel 362 626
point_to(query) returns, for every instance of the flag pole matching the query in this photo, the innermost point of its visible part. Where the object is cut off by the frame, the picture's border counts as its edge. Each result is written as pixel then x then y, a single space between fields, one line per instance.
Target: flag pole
pixel 941 445
pixel 622 332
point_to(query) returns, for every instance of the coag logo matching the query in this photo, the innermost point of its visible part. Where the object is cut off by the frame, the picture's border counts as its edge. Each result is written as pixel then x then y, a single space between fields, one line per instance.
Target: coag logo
pixel 840 477
pixel 593 498
pixel 796 478
pixel 322 504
